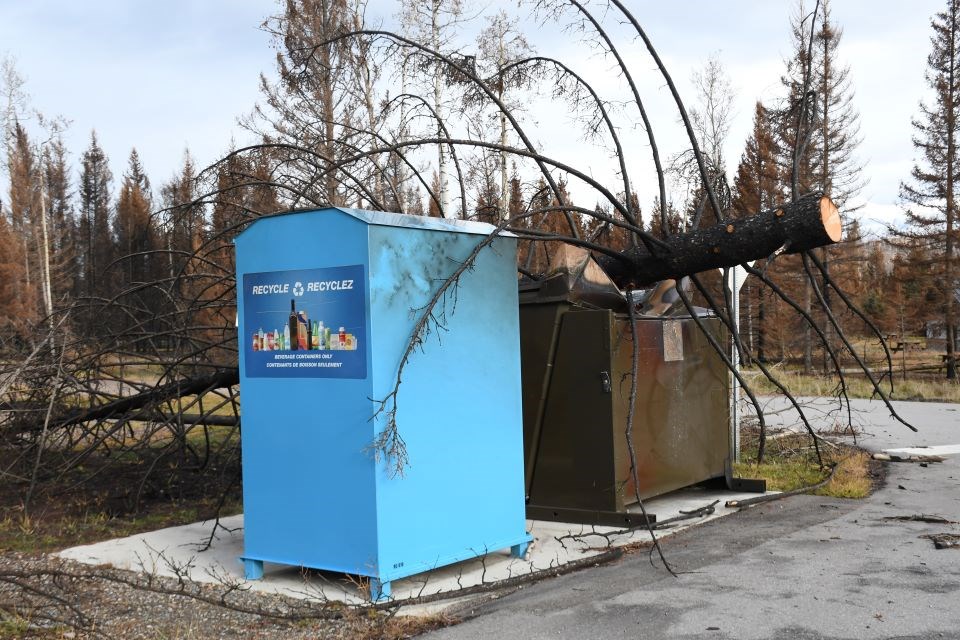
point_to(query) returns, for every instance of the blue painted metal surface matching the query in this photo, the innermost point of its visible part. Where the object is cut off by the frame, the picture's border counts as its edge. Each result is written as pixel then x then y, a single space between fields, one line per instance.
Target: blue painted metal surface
pixel 313 494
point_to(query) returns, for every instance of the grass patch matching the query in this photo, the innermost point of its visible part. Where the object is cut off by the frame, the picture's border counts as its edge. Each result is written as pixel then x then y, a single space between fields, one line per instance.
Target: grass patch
pixel 15 627
pixel 401 627
pixel 113 494
pixel 790 463
pixel 858 386
pixel 46 530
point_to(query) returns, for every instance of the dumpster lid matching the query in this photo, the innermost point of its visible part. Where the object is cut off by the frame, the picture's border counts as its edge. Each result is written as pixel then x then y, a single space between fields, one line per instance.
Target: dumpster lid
pixel 662 301
pixel 408 221
pixel 574 276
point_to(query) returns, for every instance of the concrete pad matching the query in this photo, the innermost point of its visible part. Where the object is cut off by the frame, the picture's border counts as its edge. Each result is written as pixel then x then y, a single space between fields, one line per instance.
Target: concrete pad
pixel 179 550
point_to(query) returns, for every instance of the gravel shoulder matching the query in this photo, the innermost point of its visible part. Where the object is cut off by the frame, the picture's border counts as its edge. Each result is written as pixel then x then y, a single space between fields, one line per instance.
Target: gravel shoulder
pixel 52 598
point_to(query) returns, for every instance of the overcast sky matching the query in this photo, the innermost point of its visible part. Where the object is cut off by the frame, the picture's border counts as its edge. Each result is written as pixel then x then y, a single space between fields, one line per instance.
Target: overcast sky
pixel 164 76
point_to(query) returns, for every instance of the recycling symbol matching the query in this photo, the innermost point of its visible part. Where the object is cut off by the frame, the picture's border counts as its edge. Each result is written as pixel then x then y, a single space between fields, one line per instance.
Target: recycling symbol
pixel 298 289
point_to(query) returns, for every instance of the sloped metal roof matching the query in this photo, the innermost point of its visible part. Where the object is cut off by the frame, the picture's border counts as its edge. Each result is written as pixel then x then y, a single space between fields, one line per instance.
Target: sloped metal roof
pixel 387 219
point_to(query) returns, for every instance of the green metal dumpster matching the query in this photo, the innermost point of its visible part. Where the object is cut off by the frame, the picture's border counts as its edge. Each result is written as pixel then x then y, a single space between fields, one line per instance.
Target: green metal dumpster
pixel 576 369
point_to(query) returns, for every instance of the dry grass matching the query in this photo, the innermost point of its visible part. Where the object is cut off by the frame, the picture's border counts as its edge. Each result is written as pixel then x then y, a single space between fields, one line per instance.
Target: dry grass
pixel 83 522
pixel 401 627
pixel 913 388
pixel 918 374
pixel 790 463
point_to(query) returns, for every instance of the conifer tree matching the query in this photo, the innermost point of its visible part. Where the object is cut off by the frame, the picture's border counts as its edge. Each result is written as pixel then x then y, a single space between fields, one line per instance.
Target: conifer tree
pixel 228 208
pixel 13 303
pixel 97 249
pixel 433 208
pixel 185 217
pixel 64 265
pixel 135 236
pixel 674 219
pixel 133 226
pixel 818 130
pixel 23 206
pixel 313 104
pixel 757 187
pixel 930 193
pixel 758 182
pixel 830 163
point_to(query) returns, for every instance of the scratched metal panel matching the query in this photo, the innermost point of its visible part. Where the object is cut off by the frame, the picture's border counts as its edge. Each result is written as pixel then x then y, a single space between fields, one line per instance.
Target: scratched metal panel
pixel 672 340
pixel 681 416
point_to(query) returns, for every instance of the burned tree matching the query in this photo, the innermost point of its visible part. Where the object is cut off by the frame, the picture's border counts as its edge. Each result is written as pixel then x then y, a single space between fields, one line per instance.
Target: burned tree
pixel 809 222
pixel 930 194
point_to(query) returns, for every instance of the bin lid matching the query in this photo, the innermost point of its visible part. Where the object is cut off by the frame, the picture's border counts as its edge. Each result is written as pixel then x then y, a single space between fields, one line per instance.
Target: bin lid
pixel 408 221
pixel 575 277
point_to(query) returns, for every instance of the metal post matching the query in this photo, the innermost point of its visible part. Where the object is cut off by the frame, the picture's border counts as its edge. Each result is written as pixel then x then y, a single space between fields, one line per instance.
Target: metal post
pixel 736 276
pixel 735 359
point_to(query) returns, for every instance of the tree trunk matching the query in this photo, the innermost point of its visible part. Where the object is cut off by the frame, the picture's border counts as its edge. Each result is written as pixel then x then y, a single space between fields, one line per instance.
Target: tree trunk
pixel 445 210
pixel 811 221
pixel 807 330
pixel 761 327
pixel 826 183
pixel 951 124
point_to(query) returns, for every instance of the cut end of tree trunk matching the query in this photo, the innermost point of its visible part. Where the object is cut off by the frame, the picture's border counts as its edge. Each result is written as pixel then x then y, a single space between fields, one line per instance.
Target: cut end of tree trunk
pixel 830 215
pixel 821 224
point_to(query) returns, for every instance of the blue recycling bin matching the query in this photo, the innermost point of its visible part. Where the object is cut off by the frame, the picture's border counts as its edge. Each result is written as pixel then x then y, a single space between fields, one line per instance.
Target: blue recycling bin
pixel 327 302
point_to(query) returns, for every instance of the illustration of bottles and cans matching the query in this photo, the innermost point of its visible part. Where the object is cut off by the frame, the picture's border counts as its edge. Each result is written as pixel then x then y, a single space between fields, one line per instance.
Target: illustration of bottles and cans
pixel 302 334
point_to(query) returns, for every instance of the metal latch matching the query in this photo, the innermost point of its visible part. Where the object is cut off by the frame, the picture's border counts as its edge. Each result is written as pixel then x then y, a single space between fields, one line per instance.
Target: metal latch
pixel 605 381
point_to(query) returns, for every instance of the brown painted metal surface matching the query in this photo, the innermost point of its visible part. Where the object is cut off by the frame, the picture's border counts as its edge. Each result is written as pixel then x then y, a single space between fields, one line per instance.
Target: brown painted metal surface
pixel 575 411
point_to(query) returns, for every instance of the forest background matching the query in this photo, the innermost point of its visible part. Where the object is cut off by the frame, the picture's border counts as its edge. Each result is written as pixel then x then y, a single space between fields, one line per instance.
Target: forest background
pixel 80 226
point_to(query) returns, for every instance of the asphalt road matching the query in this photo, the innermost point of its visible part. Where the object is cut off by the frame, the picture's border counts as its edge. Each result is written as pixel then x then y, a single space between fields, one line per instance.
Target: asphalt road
pixel 803 567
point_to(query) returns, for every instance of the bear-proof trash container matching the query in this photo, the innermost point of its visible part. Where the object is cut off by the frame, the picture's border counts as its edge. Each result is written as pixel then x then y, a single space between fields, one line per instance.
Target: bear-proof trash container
pixel 327 303
pixel 578 349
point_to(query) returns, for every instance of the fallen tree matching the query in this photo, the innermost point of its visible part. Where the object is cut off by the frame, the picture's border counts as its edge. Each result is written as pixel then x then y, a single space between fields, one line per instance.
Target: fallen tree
pixel 810 222
pixel 149 398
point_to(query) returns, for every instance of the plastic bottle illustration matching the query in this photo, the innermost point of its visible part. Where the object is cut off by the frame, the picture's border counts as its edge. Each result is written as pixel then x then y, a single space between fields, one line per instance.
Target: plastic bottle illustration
pixel 303 331
pixel 322 342
pixel 286 337
pixel 315 335
pixel 343 338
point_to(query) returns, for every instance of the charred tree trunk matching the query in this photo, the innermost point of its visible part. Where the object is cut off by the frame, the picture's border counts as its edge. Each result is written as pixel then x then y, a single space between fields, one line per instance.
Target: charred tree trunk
pixel 124 406
pixel 762 327
pixel 810 222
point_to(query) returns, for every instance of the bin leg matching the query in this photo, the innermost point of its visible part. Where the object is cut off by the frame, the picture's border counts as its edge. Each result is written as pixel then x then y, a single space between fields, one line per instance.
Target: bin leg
pixel 252 569
pixel 379 590
pixel 519 550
